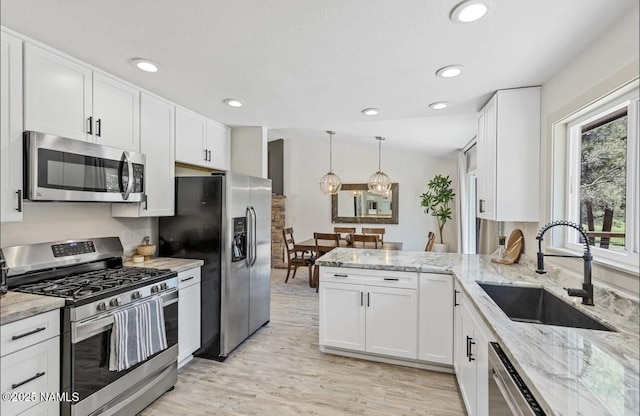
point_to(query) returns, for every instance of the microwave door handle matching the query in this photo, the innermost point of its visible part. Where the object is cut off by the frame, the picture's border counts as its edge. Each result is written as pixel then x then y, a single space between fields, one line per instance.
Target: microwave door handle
pixel 129 188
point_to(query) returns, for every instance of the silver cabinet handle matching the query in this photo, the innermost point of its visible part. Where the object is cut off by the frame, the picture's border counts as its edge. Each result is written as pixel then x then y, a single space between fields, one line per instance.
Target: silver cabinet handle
pixel 482 205
pixel 455 298
pixel 99 127
pixel 187 279
pixel 90 125
pixel 205 155
pixel 393 279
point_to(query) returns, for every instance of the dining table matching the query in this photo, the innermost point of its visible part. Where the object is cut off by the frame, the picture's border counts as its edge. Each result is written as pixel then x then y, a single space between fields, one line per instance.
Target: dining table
pixel 310 245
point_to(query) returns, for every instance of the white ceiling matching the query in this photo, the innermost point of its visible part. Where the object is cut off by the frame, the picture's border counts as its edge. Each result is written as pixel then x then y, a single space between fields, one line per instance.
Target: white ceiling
pixel 304 66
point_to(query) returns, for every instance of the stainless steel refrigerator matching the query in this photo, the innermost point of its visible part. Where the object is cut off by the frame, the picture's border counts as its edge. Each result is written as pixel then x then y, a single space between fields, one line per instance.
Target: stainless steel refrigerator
pixel 225 220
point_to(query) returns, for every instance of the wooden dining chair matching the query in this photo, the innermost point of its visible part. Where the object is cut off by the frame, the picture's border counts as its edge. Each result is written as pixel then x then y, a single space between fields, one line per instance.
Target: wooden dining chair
pixel 431 239
pixel 295 258
pixel 325 242
pixel 377 231
pixel 365 241
pixel 344 230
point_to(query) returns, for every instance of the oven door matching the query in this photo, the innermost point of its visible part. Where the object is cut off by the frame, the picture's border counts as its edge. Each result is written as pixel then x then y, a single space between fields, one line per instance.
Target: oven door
pixel 88 359
pixel 60 169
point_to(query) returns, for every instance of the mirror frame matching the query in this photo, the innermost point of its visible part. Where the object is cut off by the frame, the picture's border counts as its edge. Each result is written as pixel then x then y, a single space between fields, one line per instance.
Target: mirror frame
pixel 364 220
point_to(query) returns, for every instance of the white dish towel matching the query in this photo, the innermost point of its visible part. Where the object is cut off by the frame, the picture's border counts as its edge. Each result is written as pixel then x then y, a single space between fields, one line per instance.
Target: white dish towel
pixel 137 334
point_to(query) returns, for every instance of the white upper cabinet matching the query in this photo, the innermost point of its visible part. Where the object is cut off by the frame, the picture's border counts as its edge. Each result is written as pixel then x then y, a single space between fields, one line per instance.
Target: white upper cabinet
pixel 67 99
pixel 509 156
pixel 219 144
pixel 157 142
pixel 116 113
pixel 191 138
pixel 57 95
pixel 10 129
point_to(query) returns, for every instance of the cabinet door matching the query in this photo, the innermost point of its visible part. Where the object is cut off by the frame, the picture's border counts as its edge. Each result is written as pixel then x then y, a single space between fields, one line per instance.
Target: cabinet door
pixel 342 316
pixel 467 374
pixel 191 138
pixel 116 113
pixel 57 94
pixel 481 355
pixel 436 318
pixel 392 321
pixel 38 365
pixel 219 143
pixel 10 129
pixel 487 136
pixel 188 321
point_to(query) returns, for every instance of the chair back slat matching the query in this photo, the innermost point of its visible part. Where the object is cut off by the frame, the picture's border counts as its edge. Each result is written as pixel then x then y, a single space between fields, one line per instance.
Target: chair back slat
pixel 333 237
pixel 378 231
pixel 364 239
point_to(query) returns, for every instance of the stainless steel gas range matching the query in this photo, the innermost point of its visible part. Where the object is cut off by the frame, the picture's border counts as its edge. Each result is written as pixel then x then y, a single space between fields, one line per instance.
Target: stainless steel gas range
pixel 90 276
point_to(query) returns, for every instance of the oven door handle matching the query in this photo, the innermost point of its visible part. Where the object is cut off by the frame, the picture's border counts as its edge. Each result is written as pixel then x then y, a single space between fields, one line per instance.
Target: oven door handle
pixel 87 329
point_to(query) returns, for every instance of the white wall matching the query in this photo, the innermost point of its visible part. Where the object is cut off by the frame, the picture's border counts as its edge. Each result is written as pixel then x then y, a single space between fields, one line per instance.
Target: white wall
pixel 308 210
pixel 53 221
pixel 611 61
pixel 249 151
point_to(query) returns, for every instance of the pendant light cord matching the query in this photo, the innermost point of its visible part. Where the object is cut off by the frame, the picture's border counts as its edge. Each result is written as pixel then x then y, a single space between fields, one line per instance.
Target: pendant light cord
pixel 379 153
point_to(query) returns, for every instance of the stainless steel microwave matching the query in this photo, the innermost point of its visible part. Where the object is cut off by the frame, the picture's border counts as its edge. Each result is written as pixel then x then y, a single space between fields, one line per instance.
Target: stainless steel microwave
pixel 61 169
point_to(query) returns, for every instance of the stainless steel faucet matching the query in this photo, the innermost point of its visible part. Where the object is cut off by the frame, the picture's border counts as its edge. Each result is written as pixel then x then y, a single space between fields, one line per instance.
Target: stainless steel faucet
pixel 586 293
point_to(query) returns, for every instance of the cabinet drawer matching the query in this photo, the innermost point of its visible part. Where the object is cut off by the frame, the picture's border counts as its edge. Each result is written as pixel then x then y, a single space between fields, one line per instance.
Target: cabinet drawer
pixel 188 278
pixel 406 280
pixel 25 332
pixel 34 369
pixel 50 408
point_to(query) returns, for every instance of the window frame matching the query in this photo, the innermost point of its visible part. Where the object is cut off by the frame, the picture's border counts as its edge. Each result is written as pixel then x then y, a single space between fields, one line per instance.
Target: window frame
pixel 567 175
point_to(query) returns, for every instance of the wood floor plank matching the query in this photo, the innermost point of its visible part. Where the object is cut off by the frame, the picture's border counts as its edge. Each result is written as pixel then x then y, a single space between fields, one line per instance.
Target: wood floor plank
pixel 280 371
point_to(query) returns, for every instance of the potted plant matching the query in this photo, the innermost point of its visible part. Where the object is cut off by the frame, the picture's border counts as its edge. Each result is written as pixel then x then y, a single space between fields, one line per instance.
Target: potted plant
pixel 436 201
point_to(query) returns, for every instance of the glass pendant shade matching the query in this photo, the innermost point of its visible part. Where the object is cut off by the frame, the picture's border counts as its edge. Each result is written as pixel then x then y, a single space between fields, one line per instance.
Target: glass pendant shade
pixel 330 183
pixel 379 182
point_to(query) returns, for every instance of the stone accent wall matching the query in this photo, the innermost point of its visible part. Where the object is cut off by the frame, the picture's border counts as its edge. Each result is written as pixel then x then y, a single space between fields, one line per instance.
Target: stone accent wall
pixel 277 225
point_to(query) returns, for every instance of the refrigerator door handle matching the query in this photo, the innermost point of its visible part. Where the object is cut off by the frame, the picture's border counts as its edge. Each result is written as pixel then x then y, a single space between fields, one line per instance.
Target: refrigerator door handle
pixel 254 237
pixel 249 253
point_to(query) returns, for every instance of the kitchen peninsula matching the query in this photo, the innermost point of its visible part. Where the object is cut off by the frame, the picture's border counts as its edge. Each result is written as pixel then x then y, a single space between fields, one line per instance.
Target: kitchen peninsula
pixel 568 370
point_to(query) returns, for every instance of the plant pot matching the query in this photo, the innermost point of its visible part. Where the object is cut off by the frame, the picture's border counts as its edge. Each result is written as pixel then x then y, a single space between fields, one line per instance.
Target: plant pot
pixel 441 248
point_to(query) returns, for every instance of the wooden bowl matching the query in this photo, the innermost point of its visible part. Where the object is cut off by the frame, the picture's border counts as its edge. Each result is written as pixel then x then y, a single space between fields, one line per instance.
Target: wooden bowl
pixel 146 250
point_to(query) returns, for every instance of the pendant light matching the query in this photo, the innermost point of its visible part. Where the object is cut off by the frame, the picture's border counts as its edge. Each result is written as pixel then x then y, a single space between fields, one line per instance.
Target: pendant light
pixel 330 183
pixel 379 182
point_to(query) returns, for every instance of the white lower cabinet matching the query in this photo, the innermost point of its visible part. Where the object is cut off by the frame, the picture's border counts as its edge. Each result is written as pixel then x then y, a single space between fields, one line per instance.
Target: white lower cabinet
pixel 370 311
pixel 471 360
pixel 188 314
pixel 435 333
pixel 31 366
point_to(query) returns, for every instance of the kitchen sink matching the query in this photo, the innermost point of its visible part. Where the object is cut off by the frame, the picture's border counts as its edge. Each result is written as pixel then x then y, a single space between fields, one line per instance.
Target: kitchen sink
pixel 537 305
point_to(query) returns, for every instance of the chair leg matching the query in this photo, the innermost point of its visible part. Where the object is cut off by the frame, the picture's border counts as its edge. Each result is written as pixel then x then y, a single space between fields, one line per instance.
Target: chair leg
pixel 316 275
pixel 295 269
pixel 288 271
pixel 310 275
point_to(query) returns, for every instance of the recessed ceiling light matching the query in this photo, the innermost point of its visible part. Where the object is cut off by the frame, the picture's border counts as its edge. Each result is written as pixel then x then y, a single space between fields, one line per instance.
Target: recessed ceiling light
pixel 469 11
pixel 370 111
pixel 449 71
pixel 145 65
pixel 232 102
pixel 439 105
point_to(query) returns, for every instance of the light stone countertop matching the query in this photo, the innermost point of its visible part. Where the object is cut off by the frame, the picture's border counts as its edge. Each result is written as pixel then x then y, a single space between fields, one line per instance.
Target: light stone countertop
pixel 571 371
pixel 16 305
pixel 176 265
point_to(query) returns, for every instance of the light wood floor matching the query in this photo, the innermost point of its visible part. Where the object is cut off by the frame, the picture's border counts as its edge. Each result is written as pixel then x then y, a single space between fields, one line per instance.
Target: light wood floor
pixel 280 371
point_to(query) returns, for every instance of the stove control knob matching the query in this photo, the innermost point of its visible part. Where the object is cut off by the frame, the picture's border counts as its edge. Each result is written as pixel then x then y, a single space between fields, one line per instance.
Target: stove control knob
pixel 102 306
pixel 164 286
pixel 155 289
pixel 115 302
pixel 136 295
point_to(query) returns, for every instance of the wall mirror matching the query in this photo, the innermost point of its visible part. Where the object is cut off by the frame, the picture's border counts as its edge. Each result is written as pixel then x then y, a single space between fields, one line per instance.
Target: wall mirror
pixel 355 204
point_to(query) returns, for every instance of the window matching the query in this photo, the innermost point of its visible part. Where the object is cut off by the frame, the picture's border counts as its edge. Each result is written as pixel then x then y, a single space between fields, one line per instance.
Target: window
pixel 602 178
